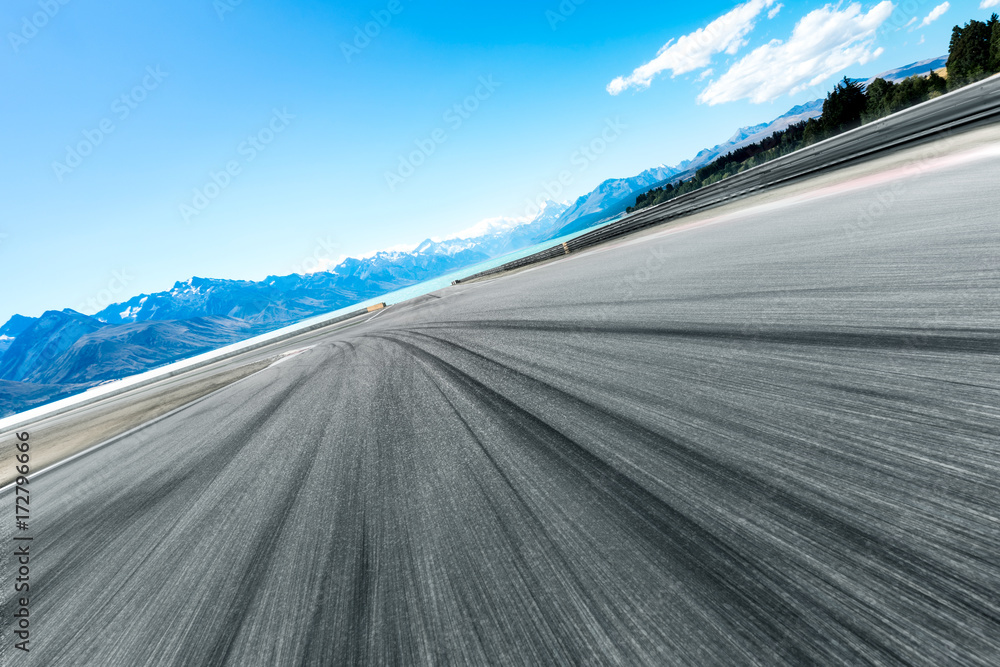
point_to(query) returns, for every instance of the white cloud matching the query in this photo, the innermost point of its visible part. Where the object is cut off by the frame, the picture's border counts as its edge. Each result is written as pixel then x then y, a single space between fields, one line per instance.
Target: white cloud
pixel 915 19
pixel 725 34
pixel 986 4
pixel 823 43
pixel 777 10
pixel 707 73
pixel 937 13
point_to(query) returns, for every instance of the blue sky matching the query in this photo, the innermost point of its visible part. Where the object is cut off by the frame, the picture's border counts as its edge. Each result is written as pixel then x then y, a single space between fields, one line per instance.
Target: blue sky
pixel 147 142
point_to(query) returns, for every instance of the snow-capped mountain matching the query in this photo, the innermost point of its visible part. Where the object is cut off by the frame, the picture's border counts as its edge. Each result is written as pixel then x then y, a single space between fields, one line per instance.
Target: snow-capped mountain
pixel 797 114
pixel 61 352
pixel 41 357
pixel 613 190
pixel 42 342
pixel 612 197
pixel 278 300
pixel 752 134
pixel 500 236
pixel 921 68
pixel 69 348
pixel 16 325
pixel 12 329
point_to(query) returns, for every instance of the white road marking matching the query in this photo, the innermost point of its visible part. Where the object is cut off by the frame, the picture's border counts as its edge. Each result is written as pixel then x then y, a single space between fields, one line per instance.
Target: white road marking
pixel 131 431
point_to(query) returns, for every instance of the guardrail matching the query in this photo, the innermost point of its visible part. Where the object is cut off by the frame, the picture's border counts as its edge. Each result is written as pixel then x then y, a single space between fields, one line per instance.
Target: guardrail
pixel 971 104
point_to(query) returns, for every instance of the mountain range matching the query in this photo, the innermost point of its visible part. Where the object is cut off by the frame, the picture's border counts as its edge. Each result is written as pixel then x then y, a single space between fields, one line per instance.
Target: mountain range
pixel 64 352
pixel 921 68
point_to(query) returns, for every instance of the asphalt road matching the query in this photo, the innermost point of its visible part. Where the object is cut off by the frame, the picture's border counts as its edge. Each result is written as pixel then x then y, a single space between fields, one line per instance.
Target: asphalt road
pixel 773 439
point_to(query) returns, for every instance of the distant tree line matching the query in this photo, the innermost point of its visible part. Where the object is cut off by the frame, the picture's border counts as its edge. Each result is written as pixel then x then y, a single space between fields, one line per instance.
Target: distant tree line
pixel 974 54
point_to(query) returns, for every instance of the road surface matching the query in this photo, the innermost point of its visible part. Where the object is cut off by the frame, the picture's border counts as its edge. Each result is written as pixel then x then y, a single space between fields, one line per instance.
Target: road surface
pixel 771 438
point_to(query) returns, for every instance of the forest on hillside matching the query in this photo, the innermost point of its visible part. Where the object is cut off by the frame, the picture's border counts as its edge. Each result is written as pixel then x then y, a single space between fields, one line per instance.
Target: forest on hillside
pixel 973 55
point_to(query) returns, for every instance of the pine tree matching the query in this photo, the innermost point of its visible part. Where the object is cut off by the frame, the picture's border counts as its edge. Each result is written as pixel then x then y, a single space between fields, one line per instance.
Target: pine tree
pixel 969 53
pixel 813 131
pixel 879 93
pixel 938 85
pixel 844 107
pixel 994 62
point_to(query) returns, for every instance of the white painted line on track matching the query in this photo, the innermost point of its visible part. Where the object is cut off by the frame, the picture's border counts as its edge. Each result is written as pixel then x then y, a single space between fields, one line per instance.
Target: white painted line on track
pixel 138 428
pixel 288 355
